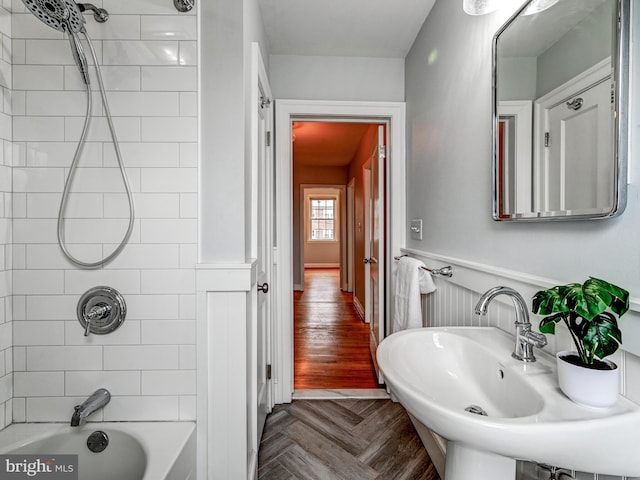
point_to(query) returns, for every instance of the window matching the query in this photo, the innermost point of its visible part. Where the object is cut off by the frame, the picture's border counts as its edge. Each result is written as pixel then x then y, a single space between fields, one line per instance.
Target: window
pixel 322 219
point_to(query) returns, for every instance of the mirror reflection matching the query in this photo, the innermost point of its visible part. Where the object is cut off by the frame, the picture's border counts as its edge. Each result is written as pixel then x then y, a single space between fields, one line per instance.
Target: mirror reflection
pixel 558 123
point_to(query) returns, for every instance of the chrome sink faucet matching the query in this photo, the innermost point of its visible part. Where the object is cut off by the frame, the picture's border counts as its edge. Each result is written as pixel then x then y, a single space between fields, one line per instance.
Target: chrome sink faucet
pixel 526 339
pixel 95 402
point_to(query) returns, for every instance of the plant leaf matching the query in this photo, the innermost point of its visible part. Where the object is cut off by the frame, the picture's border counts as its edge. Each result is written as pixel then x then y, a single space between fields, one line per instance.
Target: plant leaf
pixel 549 301
pixel 548 324
pixel 603 337
pixel 613 296
pixel 585 304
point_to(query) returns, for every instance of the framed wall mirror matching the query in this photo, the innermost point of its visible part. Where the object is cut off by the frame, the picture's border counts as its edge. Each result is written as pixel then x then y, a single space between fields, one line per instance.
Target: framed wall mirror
pixel 560 108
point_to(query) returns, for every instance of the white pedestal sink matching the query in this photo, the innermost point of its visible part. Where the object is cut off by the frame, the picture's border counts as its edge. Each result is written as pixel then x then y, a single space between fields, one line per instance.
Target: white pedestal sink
pixel 467 463
pixel 436 373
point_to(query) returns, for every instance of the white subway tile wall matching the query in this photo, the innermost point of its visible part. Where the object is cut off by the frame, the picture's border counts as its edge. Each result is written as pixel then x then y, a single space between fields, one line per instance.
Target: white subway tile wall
pixel 147 55
pixel 6 233
pixel 453 305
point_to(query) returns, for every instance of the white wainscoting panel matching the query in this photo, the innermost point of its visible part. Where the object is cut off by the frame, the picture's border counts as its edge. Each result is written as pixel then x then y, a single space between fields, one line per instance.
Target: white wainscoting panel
pixel 223 303
pixel 453 303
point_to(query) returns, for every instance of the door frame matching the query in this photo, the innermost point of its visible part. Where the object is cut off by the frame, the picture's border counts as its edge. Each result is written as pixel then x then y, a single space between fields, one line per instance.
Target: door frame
pixel 350 220
pixel 287 111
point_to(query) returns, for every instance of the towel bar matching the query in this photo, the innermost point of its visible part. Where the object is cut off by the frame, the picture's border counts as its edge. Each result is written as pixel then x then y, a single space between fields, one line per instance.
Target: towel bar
pixel 444 271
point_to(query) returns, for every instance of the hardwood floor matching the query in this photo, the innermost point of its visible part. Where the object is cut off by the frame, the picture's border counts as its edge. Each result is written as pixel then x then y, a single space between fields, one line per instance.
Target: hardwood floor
pixel 331 342
pixel 346 439
pixel 343 440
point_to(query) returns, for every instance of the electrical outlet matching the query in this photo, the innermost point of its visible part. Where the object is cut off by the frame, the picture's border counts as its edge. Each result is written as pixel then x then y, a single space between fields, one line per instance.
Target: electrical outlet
pixel 416 229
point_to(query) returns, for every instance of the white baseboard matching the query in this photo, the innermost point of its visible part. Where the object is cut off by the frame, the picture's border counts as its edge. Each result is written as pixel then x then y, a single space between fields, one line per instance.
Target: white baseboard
pixel 359 307
pixel 341 394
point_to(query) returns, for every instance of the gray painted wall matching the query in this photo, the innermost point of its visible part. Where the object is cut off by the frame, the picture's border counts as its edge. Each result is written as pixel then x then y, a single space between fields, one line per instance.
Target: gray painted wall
pixel 582 47
pixel 337 78
pixel 448 94
pixel 228 27
pixel 517 78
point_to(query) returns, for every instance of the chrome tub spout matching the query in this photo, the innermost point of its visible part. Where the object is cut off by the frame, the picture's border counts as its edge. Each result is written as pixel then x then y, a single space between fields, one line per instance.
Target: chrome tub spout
pixel 95 402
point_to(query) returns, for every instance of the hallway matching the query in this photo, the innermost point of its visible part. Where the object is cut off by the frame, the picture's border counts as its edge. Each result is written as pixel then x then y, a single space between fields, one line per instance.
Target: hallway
pixel 331 342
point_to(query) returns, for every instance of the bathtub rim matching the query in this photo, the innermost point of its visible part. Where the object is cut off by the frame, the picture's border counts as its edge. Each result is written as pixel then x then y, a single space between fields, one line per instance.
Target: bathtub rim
pixel 162 442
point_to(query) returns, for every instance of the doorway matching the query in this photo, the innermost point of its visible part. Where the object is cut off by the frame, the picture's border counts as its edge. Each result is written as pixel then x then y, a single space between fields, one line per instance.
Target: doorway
pixel 331 341
pixel 287 113
pixel 322 223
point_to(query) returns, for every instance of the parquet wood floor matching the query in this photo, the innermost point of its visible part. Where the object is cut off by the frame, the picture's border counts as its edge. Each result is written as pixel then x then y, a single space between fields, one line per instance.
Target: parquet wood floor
pixel 351 439
pixel 331 342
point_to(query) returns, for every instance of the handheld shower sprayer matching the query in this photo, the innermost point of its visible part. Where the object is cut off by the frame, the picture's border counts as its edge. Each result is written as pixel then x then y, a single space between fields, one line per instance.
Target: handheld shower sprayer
pixel 66 16
pixel 78 54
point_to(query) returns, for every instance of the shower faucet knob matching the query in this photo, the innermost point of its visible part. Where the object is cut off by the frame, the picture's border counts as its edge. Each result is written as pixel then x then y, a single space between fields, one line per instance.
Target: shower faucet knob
pixel 101 310
pixel 183 5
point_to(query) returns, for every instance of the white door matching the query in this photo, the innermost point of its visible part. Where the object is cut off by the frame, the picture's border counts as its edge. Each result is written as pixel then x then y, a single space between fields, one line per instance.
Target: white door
pixel 374 273
pixel 264 262
pixel 368 218
pixel 579 158
pixel 261 401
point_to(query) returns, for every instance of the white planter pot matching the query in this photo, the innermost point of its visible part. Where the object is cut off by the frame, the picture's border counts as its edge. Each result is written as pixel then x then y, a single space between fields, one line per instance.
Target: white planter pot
pixel 588 386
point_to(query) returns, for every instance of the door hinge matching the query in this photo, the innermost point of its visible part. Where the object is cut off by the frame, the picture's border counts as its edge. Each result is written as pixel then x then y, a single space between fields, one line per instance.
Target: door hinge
pixel 383 151
pixel 269 372
pixel 547 139
pixel 264 101
pixel 268 139
pixel 613 95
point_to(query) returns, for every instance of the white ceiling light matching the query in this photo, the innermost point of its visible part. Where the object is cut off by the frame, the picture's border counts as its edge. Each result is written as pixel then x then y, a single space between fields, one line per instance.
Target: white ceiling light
pixel 480 7
pixel 538 6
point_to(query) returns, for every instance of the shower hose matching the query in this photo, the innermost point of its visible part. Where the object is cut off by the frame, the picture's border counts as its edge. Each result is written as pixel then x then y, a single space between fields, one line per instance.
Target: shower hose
pixel 72 170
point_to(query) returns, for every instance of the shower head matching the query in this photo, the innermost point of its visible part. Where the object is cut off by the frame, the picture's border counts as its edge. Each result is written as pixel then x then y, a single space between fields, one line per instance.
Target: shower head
pixel 65 16
pixel 62 15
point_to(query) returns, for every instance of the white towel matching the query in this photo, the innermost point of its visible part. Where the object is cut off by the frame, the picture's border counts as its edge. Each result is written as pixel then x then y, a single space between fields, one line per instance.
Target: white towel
pixel 426 282
pixel 411 282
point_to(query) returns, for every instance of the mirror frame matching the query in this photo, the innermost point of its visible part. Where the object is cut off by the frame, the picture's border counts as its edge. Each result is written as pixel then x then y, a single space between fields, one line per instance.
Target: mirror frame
pixel 620 77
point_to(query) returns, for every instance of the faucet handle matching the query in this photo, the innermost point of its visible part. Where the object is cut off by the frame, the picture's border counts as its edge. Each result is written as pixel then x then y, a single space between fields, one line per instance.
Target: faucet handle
pixel 536 339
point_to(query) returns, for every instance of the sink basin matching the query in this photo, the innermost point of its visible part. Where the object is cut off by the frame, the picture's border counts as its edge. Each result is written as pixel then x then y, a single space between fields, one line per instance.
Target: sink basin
pixel 437 373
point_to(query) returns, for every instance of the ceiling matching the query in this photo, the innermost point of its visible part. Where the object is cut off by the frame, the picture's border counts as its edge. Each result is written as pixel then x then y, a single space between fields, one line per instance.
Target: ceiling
pixel 329 144
pixel 346 28
pixel 350 28
pixel 531 35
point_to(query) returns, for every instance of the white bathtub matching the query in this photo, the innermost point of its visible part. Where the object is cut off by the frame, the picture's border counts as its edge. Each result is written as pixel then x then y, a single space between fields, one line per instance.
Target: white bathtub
pixel 136 450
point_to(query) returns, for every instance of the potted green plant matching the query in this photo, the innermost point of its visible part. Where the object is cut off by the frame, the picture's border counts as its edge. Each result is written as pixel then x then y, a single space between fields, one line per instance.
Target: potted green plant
pixel 589 311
